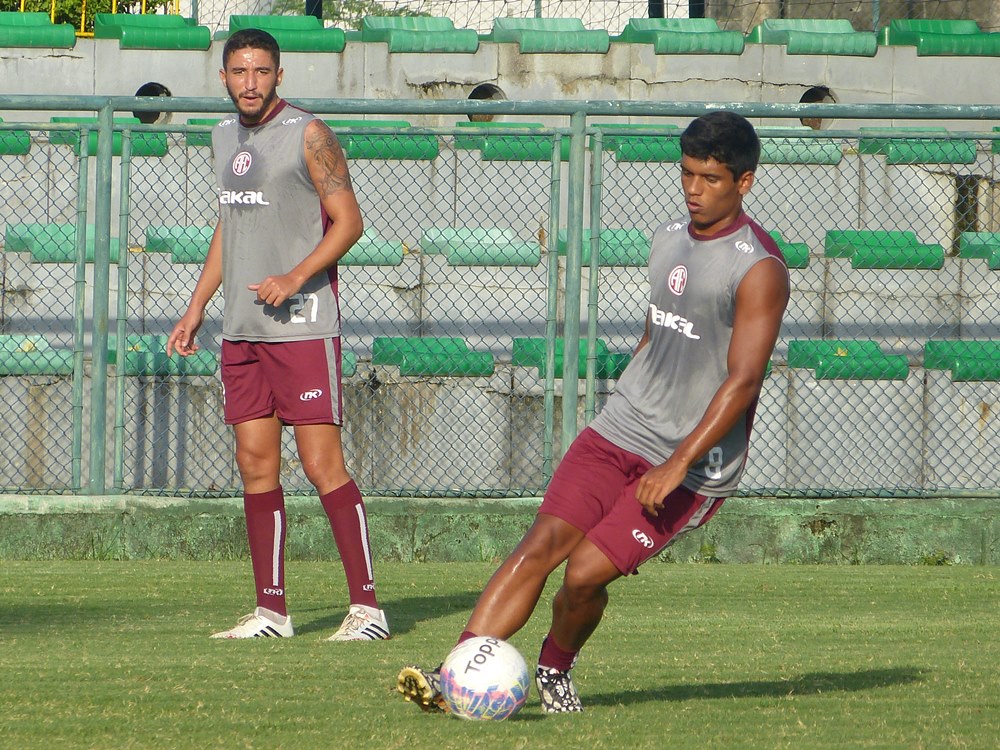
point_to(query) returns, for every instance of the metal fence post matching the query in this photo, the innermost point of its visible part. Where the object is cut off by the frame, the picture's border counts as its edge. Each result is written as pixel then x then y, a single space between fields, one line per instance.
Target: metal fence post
pixel 574 247
pixel 102 284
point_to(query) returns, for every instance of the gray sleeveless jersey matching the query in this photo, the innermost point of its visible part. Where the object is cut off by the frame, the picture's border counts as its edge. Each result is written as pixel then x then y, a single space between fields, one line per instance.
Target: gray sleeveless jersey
pixel 666 388
pixel 272 218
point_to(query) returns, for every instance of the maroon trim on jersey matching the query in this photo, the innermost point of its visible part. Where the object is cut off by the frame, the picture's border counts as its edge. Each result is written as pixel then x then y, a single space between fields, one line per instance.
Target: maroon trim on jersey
pixel 270 115
pixel 740 221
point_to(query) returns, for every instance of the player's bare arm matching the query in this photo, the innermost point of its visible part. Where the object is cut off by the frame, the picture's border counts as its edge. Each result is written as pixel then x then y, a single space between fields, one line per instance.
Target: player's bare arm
pixel 760 303
pixel 182 338
pixel 328 170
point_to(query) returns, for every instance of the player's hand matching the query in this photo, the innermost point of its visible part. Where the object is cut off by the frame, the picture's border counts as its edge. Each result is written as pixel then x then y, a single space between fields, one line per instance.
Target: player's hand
pixel 656 484
pixel 275 290
pixel 181 339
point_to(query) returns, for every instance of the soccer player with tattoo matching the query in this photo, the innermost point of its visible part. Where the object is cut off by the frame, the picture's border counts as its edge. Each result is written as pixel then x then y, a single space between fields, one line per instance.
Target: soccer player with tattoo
pixel 671 443
pixel 287 214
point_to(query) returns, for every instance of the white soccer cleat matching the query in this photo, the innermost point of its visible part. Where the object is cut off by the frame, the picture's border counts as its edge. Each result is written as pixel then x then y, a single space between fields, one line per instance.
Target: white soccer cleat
pixel 362 624
pixel 261 623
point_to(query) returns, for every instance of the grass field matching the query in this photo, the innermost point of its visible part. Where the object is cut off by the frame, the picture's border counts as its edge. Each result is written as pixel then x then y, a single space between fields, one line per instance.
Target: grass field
pixel 116 655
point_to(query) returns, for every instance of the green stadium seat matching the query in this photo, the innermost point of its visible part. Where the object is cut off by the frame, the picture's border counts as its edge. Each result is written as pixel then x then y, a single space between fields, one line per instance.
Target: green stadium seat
pixel 31 354
pixel 146 355
pixel 641 143
pixel 549 35
pixel 152 31
pixel 531 352
pixel 791 150
pixel 899 147
pixel 846 360
pixel 613 365
pixel 476 141
pixel 968 359
pixel 34 29
pixel 431 356
pixel 186 244
pixel 480 246
pixel 440 240
pixel 960 37
pixel 418 34
pixel 796 253
pixel 682 36
pixel 373 250
pixel 941 354
pixel 143 143
pixel 841 243
pixel 348 364
pixel 199 138
pixel 293 33
pixel 885 249
pixel 14 142
pixel 358 144
pixel 618 247
pixel 642 148
pixel 978 244
pixel 925 257
pixel 497 145
pixel 52 243
pixel 810 36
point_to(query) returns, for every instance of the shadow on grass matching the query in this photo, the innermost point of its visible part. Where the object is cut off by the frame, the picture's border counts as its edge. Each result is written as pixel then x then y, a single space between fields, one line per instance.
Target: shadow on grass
pixel 812 683
pixel 403 614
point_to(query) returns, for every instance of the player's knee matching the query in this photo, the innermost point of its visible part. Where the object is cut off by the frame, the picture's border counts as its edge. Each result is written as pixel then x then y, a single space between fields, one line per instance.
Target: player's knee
pixel 582 586
pixel 254 464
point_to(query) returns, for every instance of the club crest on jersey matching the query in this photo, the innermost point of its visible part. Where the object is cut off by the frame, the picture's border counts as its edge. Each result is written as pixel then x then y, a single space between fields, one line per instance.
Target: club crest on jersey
pixel 678 279
pixel 241 163
pixel 744 247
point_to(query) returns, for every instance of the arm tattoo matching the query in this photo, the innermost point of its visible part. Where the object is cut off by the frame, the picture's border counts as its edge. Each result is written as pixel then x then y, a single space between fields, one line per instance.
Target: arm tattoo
pixel 324 151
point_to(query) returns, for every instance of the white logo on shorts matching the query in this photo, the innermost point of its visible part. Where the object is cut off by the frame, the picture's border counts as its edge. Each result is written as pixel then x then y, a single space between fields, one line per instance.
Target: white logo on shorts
pixel 310 395
pixel 643 538
pixel 274 592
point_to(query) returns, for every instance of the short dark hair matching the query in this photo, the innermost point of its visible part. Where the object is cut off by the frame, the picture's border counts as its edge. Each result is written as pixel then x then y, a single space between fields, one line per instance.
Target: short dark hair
pixel 727 137
pixel 253 39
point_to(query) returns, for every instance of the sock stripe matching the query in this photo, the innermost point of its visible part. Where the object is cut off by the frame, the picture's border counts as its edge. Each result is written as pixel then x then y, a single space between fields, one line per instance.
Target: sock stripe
pixel 363 523
pixel 276 551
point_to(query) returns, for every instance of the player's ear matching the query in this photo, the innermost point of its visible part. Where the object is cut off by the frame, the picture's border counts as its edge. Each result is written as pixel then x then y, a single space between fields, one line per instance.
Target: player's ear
pixel 278 77
pixel 745 182
pixel 222 75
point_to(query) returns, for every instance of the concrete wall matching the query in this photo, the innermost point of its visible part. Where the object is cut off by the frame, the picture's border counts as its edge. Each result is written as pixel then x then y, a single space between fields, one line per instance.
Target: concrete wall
pixel 761 73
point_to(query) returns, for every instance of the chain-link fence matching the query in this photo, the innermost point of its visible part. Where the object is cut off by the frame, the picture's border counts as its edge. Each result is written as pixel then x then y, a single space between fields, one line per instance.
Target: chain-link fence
pixel 460 298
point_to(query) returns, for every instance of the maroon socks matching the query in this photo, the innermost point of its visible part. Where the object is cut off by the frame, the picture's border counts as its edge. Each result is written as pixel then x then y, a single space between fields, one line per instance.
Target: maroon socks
pixel 346 511
pixel 265 513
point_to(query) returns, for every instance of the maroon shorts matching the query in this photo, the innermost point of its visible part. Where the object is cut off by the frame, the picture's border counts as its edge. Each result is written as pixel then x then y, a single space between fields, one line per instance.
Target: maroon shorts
pixel 594 490
pixel 299 381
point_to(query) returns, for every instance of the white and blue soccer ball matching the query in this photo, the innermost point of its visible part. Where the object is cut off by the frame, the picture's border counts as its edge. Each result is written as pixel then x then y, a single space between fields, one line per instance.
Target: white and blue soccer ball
pixel 484 678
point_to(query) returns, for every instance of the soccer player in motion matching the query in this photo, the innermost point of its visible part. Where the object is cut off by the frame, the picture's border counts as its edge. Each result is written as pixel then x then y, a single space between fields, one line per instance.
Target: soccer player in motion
pixel 287 213
pixel 671 442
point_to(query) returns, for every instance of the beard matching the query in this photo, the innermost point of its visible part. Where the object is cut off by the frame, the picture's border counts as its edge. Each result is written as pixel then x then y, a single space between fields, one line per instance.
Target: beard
pixel 252 111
